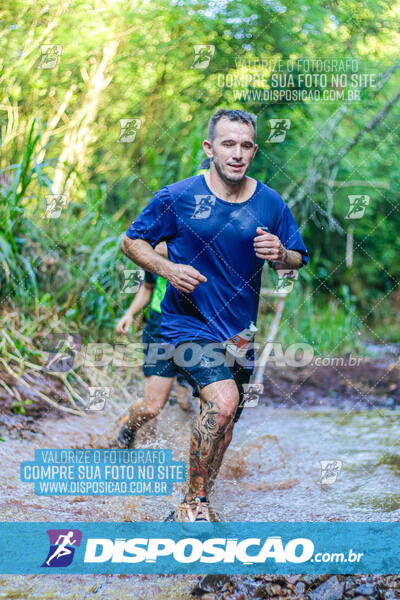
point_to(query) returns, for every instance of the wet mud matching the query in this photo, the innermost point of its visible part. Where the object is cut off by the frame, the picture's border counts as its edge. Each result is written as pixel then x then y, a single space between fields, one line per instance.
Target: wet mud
pixel 271 472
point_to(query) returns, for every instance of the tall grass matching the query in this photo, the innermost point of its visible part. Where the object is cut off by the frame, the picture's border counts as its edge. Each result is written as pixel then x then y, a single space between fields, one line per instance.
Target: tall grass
pixel 72 263
pixel 17 275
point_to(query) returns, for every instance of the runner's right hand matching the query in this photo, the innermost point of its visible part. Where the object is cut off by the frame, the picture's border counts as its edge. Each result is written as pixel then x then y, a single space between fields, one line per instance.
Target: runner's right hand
pixel 124 324
pixel 185 278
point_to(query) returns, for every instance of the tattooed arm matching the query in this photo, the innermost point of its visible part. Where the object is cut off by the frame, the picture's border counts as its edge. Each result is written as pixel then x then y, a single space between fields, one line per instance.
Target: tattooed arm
pixel 291 260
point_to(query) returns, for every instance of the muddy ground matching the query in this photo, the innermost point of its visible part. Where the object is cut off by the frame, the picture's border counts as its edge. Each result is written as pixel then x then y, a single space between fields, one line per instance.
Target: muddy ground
pixel 370 384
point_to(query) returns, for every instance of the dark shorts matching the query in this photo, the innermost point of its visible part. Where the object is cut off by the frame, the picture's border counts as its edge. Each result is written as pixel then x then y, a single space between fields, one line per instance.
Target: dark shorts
pixel 151 366
pixel 209 367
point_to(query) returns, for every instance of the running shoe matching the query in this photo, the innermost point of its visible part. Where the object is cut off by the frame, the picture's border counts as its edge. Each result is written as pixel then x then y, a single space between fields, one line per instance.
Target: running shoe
pixel 195 510
pixel 126 435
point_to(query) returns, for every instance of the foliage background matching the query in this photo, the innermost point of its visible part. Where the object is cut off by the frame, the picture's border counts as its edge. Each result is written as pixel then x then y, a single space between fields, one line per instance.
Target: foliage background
pixel 60 129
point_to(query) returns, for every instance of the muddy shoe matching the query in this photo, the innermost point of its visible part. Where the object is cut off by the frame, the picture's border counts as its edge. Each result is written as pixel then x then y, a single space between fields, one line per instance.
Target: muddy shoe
pixel 200 509
pixel 195 510
pixel 126 435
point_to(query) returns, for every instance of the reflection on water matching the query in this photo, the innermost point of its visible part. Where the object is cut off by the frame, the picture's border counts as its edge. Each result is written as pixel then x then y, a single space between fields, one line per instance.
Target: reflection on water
pixel 271 472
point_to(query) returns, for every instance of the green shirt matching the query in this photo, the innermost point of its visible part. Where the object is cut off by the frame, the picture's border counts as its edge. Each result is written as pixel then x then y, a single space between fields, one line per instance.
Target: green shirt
pixel 158 294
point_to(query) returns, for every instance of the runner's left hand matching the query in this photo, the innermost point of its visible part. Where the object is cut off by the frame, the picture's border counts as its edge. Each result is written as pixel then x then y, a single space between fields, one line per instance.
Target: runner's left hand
pixel 268 246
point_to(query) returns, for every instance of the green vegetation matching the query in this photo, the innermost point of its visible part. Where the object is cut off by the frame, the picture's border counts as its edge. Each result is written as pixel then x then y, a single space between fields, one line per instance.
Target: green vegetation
pixel 60 135
pixel 19 408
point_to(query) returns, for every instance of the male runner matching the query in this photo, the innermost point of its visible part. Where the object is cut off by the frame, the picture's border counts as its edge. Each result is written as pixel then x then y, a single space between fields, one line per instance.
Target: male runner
pixel 216 251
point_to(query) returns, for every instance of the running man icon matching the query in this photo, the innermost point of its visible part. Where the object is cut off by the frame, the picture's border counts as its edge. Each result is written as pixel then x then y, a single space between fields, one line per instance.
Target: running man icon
pixel 61 551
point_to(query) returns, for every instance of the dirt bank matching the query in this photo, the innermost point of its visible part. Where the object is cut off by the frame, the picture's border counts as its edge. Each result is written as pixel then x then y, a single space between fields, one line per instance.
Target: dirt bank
pixel 369 384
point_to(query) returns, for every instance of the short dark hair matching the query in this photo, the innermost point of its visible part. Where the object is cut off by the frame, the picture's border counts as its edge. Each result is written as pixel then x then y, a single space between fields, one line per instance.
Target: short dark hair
pixel 232 115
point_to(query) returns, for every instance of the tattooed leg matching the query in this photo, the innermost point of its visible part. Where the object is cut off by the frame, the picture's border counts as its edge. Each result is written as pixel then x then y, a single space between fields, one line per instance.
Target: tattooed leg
pixel 218 457
pixel 219 401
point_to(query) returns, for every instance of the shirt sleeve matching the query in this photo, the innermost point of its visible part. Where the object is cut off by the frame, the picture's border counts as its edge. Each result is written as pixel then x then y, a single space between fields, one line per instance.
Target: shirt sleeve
pixel 289 234
pixel 157 221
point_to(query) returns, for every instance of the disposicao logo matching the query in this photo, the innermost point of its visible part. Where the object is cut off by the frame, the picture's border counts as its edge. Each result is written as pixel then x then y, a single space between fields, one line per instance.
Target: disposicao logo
pixel 190 550
pixel 62 542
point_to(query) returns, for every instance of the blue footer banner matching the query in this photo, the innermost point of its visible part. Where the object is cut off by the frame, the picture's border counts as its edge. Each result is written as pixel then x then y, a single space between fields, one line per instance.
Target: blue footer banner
pixel 223 548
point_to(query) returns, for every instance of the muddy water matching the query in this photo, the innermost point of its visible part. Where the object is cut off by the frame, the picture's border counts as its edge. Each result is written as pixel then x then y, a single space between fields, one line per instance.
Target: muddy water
pixel 281 476
pixel 271 473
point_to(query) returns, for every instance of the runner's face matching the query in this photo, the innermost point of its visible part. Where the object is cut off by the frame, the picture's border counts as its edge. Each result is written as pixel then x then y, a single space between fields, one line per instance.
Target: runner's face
pixel 233 149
